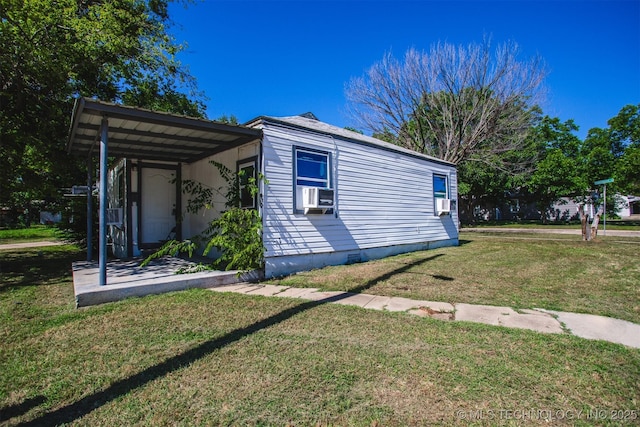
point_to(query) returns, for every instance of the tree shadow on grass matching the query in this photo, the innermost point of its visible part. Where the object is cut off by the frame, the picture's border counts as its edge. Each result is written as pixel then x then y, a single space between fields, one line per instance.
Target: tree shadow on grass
pixel 35 267
pixel 89 403
pixel 21 408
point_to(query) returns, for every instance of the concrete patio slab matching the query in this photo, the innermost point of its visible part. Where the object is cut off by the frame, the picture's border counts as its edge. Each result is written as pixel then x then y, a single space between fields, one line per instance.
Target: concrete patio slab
pixel 127 279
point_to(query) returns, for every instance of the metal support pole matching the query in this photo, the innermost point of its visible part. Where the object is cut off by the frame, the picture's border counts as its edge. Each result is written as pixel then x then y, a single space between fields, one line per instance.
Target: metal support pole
pixel 89 209
pixel 104 135
pixel 604 213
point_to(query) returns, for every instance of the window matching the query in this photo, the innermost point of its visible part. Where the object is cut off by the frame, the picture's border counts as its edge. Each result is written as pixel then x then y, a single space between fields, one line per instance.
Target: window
pixel 312 169
pixel 441 202
pixel 247 175
pixel 514 206
pixel 440 187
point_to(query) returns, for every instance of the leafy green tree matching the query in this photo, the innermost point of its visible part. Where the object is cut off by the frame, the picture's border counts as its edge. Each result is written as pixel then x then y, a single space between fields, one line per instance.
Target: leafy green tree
pixel 625 136
pixel 625 128
pixel 599 153
pixel 231 120
pixel 479 184
pixel 627 173
pixel 54 51
pixel 558 173
pixel 614 152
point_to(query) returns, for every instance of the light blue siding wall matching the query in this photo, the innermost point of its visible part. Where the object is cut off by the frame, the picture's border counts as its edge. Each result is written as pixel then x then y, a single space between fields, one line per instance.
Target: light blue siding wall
pixel 384 199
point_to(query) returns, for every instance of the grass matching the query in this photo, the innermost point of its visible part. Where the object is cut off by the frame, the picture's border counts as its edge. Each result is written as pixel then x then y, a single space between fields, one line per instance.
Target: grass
pixel 31 234
pixel 205 358
pixel 612 224
pixel 522 271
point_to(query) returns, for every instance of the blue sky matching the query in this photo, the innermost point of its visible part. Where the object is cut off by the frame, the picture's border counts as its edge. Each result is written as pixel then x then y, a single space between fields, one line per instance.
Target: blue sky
pixel 282 58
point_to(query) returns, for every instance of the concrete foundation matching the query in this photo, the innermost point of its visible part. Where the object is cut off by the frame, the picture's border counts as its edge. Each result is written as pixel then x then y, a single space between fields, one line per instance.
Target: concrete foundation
pixel 127 279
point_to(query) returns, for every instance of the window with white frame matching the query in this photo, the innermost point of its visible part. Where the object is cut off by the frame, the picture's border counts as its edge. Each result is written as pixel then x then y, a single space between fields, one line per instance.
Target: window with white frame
pixel 312 168
pixel 246 176
pixel 441 201
pixel 440 187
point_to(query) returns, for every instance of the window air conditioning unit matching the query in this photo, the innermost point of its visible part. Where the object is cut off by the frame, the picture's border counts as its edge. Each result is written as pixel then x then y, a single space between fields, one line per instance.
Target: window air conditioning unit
pixel 115 217
pixel 317 198
pixel 443 206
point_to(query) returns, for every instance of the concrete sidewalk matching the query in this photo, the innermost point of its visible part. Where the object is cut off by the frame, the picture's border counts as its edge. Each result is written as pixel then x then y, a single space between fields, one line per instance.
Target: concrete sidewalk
pixel 12 246
pixel 582 325
pixel 577 231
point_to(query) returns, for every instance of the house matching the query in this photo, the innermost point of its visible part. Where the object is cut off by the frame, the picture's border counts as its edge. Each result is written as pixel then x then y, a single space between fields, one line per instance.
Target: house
pixel 629 205
pixel 331 196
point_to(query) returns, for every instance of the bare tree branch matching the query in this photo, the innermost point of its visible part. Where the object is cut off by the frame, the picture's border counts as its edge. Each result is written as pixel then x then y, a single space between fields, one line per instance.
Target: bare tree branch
pixel 452 102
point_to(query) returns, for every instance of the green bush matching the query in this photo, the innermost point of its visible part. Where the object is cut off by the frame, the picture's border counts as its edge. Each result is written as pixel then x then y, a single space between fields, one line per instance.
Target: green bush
pixel 236 234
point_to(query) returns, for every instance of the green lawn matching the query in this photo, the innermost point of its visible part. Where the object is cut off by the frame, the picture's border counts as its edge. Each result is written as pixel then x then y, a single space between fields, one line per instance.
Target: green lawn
pixel 556 272
pixel 615 224
pixel 31 234
pixel 205 358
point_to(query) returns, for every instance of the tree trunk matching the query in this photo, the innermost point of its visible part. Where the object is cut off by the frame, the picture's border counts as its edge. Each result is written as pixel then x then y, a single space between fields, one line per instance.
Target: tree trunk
pixel 584 222
pixel 594 225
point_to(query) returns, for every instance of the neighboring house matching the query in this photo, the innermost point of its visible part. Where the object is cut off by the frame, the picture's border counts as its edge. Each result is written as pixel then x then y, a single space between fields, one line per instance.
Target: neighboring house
pixel 331 196
pixel 629 205
pixel 565 209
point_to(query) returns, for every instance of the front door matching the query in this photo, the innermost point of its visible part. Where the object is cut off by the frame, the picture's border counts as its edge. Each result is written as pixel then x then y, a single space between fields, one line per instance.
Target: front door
pixel 158 205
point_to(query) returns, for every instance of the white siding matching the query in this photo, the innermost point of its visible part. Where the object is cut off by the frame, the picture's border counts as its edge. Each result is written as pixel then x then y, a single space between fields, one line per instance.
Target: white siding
pixel 383 198
pixel 207 174
pixel 565 209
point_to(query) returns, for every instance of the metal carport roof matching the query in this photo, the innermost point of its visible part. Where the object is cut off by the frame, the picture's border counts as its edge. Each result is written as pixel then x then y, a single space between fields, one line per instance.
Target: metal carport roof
pixel 114 130
pixel 149 135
